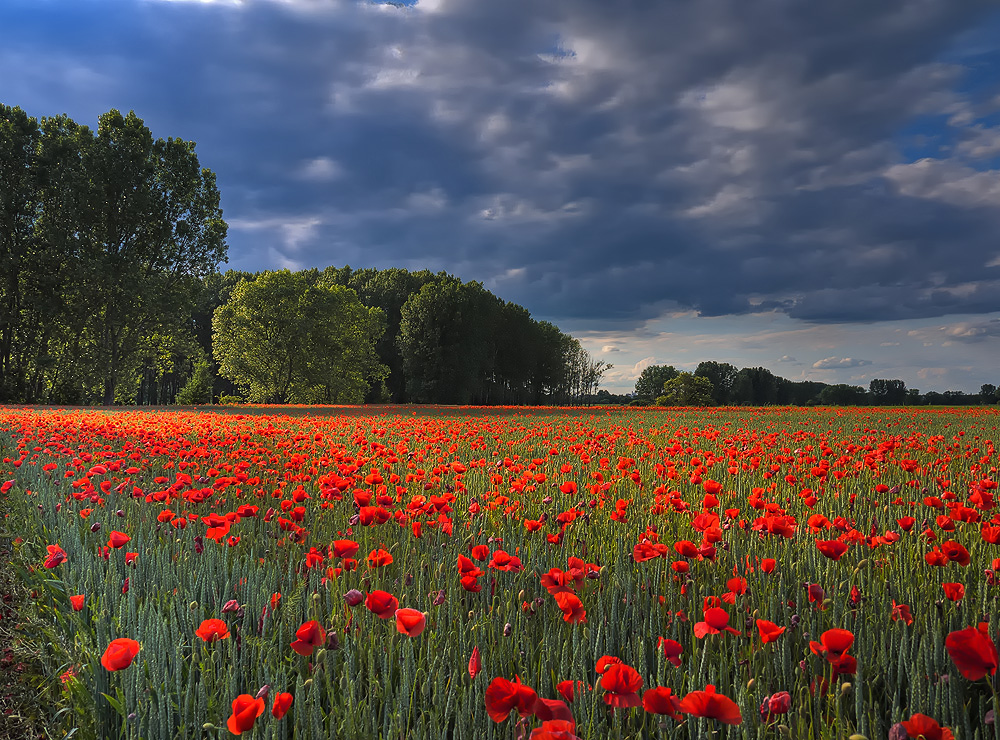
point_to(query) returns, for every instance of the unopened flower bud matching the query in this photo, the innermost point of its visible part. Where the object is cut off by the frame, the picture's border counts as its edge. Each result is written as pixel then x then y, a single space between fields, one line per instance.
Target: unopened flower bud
pixel 353 597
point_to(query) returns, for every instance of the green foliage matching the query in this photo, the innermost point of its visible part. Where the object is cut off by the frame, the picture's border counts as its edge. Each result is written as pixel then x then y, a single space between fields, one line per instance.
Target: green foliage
pixel 103 237
pixel 282 338
pixel 888 392
pixel 721 375
pixel 842 395
pixel 198 389
pixel 686 389
pixel 651 380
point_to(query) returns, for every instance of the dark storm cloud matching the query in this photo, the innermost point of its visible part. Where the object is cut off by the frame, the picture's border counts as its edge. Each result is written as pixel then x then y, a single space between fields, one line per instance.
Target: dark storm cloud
pixel 589 160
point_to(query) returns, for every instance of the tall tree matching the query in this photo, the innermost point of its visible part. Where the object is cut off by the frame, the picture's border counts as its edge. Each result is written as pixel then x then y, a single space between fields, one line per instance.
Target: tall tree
pixel 754 386
pixel 721 375
pixel 887 392
pixel 152 220
pixel 651 380
pixel 281 338
pixel 19 136
pixel 445 350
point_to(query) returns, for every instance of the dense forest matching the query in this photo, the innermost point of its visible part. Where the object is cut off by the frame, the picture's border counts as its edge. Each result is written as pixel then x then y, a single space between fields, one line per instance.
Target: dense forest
pixel 110 244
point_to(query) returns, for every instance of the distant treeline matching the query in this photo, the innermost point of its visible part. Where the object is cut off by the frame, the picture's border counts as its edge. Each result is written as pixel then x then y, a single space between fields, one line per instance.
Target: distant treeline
pixel 110 243
pixel 723 384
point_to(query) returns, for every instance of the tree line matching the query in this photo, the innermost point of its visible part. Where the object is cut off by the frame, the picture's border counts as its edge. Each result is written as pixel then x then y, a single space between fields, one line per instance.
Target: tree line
pixel 722 384
pixel 110 244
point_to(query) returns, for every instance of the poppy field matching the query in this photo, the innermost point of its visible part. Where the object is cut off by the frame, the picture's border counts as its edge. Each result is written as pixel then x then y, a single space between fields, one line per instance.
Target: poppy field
pixel 509 573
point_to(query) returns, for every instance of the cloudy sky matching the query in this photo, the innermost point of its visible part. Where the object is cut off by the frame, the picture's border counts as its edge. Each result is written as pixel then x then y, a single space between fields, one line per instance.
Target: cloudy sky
pixel 813 187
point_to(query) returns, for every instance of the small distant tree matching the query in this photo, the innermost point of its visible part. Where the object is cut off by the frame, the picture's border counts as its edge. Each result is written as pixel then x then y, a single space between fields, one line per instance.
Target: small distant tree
pixel 988 393
pixel 650 382
pixel 686 389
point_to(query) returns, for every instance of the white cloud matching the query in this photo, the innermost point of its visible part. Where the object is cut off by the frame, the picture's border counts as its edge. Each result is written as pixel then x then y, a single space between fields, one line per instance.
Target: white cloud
pixel 830 363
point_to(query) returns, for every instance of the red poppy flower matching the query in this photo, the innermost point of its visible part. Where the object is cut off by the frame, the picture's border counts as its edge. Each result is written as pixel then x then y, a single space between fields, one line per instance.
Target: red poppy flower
pixel 119 654
pixel 778 703
pixel 572 607
pixel 480 552
pixel 467 568
pixel 973 651
pixel 707 703
pixel 56 556
pixel 475 663
pixel 548 709
pixel 767 565
pixel 382 604
pixel 901 612
pixel 506 562
pixel 661 700
pixel 379 558
pixel 769 631
pixel 833 644
pixel 309 636
pixel 503 695
pixel 282 702
pixel 816 595
pixel 212 630
pixel 345 548
pixel 118 539
pixel 410 622
pixel 832 549
pixel 605 662
pixel 671 650
pixel 246 710
pixel 555 729
pixel 922 726
pixel 567 689
pixel 76 602
pixel 956 552
pixel 621 684
pixel 716 621
pixel 686 549
pixel 954 591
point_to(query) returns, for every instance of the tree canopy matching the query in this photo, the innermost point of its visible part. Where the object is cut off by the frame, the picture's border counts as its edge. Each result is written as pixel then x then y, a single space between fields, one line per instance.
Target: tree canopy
pixel 283 338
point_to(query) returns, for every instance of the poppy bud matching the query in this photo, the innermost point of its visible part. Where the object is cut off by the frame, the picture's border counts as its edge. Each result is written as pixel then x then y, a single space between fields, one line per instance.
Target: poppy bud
pixel 353 597
pixel 95 527
pixel 264 691
pixel 193 605
pixel 332 641
pixel 230 606
pixel 547 500
pixel 120 514
pixel 58 508
pixel 898 732
pixel 439 599
pixel 508 629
